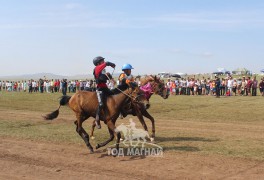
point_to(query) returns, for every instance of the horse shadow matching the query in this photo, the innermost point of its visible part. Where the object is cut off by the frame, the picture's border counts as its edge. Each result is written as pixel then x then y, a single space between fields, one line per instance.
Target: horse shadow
pixel 164 139
pixel 182 139
pixel 182 148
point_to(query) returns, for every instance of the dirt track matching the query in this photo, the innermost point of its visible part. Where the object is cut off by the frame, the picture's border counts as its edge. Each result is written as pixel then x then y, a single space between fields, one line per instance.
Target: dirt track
pixel 37 160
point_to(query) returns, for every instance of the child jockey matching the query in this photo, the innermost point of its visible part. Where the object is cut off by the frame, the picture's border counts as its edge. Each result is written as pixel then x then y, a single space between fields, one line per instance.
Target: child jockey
pixel 102 90
pixel 125 80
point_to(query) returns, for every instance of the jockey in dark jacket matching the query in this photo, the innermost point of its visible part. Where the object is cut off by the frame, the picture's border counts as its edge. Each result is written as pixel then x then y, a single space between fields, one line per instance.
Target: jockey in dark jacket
pixel 101 88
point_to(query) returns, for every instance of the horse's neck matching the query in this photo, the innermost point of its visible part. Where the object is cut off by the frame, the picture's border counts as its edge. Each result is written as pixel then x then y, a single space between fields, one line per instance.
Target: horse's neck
pixel 120 98
pixel 145 80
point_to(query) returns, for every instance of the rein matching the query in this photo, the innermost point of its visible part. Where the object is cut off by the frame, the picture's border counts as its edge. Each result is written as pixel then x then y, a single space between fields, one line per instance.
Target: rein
pixel 128 95
pixel 134 99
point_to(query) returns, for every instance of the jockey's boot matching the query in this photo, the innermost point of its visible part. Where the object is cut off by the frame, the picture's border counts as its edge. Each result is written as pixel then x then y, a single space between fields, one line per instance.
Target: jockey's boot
pixel 100 97
pixel 97 118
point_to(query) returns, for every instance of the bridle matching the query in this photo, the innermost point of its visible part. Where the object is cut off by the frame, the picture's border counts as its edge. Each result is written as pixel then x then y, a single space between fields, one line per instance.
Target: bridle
pixel 156 87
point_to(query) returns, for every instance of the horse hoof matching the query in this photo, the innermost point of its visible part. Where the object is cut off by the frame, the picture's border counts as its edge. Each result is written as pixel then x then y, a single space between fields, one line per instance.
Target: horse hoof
pixel 152 139
pixel 121 139
pixel 92 137
pixel 97 146
pixel 91 151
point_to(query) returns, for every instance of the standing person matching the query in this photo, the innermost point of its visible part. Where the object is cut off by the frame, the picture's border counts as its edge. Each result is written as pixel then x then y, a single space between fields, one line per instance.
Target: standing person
pixel 254 86
pixel 25 86
pixel 173 88
pixel 55 85
pixel 230 85
pixel 203 85
pixel 60 86
pixel 64 86
pixel 191 86
pixel 261 86
pixel 77 85
pixel 243 86
pixel 188 86
pixel 207 87
pixel 34 85
pixel 30 86
pixel 222 87
pixel 177 87
pixel 41 85
pixel 184 85
pixel 81 85
pixel 48 86
pixel 51 83
pixel 169 89
pixel 249 85
pixel 217 86
pixel 102 90
pixel 234 89
pixel 239 84
pixel 74 86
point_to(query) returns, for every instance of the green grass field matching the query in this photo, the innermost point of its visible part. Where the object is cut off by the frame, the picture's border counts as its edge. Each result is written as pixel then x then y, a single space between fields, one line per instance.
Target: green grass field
pixel 229 126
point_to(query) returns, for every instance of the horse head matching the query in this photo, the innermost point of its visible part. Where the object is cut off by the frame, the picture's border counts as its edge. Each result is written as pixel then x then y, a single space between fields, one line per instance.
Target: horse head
pixel 158 86
pixel 138 96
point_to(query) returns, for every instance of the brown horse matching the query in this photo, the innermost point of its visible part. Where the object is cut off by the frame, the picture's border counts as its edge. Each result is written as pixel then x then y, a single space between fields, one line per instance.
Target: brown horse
pixel 85 103
pixel 154 85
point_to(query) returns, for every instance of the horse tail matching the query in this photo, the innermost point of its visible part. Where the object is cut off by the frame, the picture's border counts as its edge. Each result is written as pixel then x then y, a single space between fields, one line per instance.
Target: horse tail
pixel 63 101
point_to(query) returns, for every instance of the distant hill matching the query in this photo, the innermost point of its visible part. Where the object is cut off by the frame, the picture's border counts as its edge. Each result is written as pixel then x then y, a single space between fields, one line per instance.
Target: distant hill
pixel 32 76
pixel 49 76
pixel 45 75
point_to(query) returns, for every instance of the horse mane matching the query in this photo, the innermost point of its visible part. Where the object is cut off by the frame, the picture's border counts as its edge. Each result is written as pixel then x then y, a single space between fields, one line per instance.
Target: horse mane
pixel 148 78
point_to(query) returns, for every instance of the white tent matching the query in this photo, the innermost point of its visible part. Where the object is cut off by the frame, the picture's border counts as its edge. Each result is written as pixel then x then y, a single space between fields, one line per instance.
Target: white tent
pixel 223 70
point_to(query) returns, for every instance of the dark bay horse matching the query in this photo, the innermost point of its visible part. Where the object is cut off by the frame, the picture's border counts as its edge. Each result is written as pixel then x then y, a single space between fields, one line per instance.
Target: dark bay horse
pixel 150 85
pixel 85 103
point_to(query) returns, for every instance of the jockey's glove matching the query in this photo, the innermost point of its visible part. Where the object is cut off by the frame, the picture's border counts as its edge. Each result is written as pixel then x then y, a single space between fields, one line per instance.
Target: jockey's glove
pixel 133 84
pixel 110 64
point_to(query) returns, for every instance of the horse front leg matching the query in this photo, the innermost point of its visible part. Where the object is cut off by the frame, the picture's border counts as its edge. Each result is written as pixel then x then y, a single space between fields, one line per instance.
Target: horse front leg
pixel 147 115
pixel 107 141
pixel 112 130
pixel 83 134
pixel 92 130
pixel 140 117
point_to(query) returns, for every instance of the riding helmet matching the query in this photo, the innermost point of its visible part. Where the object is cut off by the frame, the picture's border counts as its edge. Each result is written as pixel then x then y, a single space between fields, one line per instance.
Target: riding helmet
pixel 97 59
pixel 127 66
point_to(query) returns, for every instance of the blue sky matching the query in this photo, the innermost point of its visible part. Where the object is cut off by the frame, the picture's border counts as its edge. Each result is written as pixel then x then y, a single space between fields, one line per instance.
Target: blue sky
pixel 62 37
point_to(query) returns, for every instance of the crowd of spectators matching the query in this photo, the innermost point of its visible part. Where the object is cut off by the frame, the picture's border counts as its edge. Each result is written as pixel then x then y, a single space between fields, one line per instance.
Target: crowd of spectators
pixel 50 86
pixel 227 86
